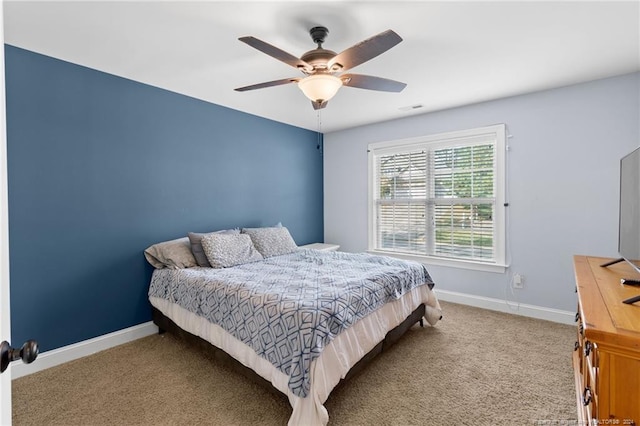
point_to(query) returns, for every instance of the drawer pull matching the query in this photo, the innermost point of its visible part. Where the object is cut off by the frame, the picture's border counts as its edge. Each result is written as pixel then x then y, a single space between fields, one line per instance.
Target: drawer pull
pixel 577 316
pixel 576 346
pixel 587 348
pixel 586 396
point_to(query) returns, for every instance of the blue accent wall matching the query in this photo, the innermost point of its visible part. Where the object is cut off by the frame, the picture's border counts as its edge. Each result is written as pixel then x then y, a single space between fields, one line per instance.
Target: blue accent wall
pixel 101 167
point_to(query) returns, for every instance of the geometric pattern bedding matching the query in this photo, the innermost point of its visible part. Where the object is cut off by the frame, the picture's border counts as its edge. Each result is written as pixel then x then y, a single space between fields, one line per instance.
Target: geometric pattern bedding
pixel 288 308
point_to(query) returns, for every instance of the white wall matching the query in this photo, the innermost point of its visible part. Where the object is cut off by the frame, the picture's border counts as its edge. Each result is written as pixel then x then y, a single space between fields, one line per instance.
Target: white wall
pixel 562 182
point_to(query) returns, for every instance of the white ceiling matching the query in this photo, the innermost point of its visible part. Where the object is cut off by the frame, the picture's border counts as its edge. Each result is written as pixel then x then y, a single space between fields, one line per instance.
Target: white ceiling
pixel 453 53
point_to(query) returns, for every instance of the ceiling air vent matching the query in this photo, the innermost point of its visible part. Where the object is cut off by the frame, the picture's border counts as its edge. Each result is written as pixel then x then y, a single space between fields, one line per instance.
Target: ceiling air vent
pixel 411 107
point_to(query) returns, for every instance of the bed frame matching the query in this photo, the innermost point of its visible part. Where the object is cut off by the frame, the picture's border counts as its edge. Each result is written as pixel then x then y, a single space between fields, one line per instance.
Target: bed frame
pixel 166 324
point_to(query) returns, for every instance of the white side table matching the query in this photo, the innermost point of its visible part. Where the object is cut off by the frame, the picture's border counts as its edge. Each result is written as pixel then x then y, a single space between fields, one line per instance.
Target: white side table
pixel 321 246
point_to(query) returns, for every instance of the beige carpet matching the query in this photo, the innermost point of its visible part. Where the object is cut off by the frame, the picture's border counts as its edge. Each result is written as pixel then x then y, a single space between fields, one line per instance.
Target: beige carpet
pixel 476 367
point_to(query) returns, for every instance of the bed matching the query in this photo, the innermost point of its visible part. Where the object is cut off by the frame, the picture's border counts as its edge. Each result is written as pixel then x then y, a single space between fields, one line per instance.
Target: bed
pixel 301 319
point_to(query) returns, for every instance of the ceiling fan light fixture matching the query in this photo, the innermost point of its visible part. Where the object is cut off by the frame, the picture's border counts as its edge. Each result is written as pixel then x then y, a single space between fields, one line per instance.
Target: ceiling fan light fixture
pixel 320 87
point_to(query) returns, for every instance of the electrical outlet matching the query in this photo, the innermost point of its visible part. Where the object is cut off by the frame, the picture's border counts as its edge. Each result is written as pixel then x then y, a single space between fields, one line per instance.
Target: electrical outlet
pixel 518 281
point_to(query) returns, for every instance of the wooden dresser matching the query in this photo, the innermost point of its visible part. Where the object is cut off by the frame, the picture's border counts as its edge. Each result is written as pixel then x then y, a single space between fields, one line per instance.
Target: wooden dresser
pixel 606 360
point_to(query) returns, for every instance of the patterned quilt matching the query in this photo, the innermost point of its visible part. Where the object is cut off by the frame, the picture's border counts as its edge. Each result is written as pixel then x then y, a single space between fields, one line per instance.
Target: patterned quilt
pixel 288 308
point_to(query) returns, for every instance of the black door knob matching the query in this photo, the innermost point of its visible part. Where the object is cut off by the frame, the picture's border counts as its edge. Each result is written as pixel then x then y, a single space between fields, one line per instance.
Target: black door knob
pixel 28 353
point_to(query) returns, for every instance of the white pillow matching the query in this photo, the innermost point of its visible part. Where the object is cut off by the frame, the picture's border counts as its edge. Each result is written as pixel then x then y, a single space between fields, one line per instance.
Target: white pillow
pixel 226 250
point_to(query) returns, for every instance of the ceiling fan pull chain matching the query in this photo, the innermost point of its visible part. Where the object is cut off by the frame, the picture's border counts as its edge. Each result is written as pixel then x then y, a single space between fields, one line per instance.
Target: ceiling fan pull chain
pixel 319 145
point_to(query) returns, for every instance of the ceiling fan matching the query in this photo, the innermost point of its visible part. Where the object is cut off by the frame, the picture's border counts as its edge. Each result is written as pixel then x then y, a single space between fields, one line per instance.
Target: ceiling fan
pixel 323 67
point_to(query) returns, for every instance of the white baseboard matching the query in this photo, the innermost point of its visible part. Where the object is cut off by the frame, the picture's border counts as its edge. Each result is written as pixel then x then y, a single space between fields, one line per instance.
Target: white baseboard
pixel 539 312
pixel 68 353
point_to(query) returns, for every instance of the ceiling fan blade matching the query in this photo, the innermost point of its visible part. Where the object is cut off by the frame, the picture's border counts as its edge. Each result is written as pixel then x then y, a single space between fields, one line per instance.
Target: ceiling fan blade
pixel 275 52
pixel 268 84
pixel 372 83
pixel 365 50
pixel 319 105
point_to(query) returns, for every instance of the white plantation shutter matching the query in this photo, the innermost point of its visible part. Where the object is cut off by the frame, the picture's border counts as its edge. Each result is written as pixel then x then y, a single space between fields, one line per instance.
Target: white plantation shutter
pixel 440 196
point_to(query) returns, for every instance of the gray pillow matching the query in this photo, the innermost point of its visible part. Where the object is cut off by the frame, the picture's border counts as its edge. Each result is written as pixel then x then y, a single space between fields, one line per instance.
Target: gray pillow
pixel 174 254
pixel 226 250
pixel 271 241
pixel 196 245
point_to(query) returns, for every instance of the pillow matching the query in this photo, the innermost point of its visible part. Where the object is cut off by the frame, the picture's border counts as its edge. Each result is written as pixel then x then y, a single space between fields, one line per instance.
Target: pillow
pixel 225 250
pixel 196 245
pixel 174 254
pixel 271 241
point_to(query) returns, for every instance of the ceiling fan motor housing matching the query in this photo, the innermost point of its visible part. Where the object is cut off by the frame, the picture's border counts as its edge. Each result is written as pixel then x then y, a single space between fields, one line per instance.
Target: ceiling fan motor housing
pixel 318 58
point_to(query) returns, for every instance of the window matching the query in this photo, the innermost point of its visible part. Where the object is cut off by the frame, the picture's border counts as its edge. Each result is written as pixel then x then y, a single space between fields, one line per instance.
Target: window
pixel 440 198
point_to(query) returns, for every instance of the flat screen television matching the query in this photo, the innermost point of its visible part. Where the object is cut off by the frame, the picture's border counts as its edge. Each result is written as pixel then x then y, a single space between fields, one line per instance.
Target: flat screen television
pixel 629 224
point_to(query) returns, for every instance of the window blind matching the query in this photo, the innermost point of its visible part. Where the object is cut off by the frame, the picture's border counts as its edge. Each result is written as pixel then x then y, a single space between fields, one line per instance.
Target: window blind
pixel 437 199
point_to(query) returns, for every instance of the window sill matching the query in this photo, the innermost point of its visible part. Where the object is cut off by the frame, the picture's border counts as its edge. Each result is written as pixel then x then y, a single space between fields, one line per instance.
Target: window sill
pixel 440 261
